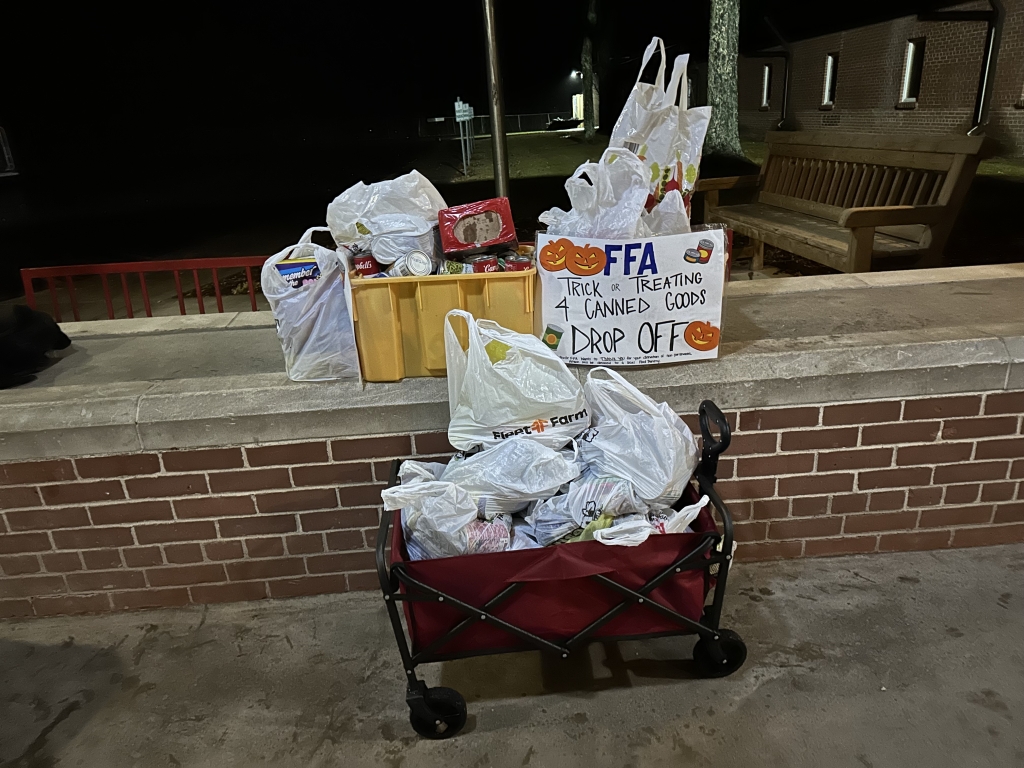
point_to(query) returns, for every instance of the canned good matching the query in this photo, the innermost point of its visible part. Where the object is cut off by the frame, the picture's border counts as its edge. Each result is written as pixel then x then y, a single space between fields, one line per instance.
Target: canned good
pixel 518 263
pixel 365 264
pixel 692 255
pixel 552 336
pixel 704 248
pixel 455 268
pixel 412 264
pixel 484 263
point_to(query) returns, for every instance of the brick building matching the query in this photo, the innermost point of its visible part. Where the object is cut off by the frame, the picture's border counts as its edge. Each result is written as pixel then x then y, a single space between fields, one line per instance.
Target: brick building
pixel 908 75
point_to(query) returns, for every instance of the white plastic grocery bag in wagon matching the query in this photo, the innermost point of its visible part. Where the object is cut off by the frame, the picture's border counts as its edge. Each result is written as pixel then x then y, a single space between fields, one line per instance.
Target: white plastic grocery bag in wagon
pixel 507 384
pixel 635 438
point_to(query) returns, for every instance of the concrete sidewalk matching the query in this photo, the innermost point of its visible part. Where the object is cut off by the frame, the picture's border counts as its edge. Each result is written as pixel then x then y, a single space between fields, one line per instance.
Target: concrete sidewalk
pixel 898 660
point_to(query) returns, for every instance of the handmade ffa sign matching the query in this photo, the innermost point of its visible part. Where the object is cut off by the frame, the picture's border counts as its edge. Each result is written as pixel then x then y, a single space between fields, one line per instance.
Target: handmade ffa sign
pixel 632 302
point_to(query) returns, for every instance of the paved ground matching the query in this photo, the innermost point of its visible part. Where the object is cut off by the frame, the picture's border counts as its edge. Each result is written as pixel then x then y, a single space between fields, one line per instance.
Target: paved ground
pixel 898 660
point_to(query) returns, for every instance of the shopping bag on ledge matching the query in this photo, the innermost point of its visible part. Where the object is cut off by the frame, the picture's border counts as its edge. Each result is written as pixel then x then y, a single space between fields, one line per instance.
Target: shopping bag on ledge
pixel 508 384
pixel 306 287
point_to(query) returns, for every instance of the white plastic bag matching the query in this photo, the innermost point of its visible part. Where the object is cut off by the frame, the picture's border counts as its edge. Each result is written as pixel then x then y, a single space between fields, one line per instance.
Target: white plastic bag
pixel 628 531
pixel 313 320
pixel 508 476
pixel 607 199
pixel 508 384
pixel 590 498
pixel 522 535
pixel 656 125
pixel 489 535
pixel 420 471
pixel 552 520
pixel 435 517
pixel 672 521
pixel 395 234
pixel 637 439
pixel 668 217
pixel 349 214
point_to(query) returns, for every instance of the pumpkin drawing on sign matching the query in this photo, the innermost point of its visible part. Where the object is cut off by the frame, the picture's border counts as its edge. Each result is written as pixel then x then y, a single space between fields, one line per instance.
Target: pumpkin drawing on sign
pixel 702 336
pixel 553 255
pixel 586 260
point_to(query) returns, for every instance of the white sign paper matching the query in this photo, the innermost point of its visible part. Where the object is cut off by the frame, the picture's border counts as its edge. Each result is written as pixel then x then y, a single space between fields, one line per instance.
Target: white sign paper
pixel 632 302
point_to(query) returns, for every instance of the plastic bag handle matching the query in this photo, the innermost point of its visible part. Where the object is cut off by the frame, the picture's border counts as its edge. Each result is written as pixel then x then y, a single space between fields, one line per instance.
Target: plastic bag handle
pixel 656 42
pixel 630 389
pixel 677 85
pixel 307 236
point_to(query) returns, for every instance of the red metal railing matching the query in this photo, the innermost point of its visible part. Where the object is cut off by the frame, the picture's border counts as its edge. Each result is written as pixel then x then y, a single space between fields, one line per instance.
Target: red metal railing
pixel 141 268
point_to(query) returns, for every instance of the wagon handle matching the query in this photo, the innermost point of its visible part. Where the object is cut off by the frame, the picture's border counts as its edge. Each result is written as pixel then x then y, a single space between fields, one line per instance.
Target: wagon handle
pixel 383 534
pixel 711 413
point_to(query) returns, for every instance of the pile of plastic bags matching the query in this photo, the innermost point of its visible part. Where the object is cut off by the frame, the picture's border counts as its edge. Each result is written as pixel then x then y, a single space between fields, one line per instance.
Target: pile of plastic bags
pixel 642 184
pixel 544 459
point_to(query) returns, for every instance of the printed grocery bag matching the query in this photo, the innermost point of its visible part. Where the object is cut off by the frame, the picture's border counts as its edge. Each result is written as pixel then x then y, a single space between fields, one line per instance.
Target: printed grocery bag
pixel 506 384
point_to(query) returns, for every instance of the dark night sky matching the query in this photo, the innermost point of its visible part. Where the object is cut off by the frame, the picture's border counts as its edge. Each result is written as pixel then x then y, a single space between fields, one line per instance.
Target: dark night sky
pixel 101 101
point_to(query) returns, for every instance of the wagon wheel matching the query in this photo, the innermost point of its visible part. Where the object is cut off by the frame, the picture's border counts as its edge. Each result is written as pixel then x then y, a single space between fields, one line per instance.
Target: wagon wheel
pixel 722 657
pixel 444 717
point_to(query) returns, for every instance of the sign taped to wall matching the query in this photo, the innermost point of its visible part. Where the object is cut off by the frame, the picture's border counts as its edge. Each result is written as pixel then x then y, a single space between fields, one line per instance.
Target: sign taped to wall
pixel 632 302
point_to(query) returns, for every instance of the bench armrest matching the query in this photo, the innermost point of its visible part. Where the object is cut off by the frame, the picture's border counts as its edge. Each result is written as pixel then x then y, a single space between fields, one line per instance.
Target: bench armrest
pixel 725 182
pixel 892 215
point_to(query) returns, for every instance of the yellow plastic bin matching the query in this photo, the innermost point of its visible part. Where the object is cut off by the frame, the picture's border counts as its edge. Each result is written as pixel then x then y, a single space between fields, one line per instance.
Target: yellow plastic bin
pixel 400 320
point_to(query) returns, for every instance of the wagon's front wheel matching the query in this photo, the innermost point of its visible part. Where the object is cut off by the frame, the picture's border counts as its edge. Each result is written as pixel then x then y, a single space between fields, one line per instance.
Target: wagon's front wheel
pixel 722 657
pixel 441 715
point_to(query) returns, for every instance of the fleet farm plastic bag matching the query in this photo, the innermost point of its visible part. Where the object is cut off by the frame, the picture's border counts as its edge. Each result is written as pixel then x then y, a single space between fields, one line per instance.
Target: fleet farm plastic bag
pixel 511 474
pixel 389 217
pixel 607 199
pixel 635 438
pixel 435 517
pixel 656 125
pixel 507 384
pixel 306 287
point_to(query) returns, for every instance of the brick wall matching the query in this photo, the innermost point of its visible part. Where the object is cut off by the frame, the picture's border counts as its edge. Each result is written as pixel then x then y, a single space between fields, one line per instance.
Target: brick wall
pixel 754 121
pixel 242 523
pixel 871 75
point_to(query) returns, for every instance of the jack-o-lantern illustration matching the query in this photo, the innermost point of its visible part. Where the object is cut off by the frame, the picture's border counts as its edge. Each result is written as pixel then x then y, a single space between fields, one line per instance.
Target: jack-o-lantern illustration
pixel 586 260
pixel 702 336
pixel 553 255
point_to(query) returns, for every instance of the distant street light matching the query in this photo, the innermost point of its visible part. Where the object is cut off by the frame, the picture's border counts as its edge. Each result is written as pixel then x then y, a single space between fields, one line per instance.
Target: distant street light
pixel 576 73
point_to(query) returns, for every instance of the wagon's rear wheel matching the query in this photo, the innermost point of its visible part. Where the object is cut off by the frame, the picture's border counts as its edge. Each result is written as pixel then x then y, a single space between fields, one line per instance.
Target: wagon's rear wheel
pixel 444 717
pixel 722 657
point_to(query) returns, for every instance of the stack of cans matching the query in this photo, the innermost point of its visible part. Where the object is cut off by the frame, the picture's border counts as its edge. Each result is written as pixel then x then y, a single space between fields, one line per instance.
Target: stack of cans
pixel 420 264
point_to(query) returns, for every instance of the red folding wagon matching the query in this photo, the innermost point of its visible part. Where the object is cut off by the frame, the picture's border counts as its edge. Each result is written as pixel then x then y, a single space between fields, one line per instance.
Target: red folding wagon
pixel 558 599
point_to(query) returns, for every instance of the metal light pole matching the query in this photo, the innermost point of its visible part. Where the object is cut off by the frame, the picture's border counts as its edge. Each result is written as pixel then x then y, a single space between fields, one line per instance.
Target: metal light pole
pixel 500 146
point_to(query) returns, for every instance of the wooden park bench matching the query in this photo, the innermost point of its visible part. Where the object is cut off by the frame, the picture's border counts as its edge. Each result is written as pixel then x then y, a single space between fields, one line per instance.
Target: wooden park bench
pixel 843 198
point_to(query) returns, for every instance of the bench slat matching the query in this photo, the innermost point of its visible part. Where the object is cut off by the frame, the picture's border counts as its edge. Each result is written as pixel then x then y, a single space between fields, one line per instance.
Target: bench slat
pixel 969 145
pixel 921 160
pixel 811 208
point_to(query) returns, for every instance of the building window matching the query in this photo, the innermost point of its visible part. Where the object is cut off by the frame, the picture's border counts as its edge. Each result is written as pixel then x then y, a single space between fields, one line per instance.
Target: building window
pixel 766 86
pixel 913 64
pixel 828 94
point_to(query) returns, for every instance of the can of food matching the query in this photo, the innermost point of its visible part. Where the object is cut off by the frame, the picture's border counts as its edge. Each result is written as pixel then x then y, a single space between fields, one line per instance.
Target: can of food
pixel 484 263
pixel 455 268
pixel 412 264
pixel 517 263
pixel 692 255
pixel 704 248
pixel 365 264
pixel 552 336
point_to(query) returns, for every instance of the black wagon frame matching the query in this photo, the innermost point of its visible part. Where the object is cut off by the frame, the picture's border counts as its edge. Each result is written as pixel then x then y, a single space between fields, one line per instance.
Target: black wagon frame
pixel 439 713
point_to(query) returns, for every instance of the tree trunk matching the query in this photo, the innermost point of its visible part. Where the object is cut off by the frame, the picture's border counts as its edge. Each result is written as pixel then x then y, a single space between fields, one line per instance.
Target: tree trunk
pixel 723 87
pixel 587 68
